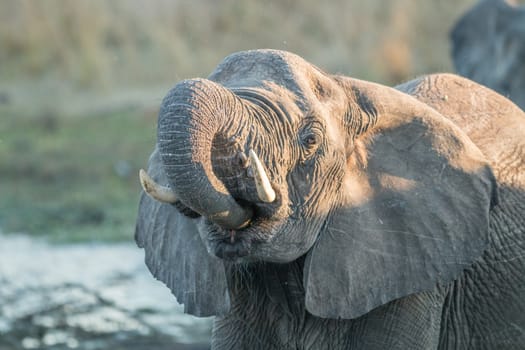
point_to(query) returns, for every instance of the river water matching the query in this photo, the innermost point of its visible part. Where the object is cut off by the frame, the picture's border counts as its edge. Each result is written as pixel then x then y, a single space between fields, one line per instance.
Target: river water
pixel 88 296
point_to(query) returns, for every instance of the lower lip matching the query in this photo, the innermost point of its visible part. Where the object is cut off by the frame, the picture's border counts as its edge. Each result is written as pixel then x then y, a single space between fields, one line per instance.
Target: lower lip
pixel 230 251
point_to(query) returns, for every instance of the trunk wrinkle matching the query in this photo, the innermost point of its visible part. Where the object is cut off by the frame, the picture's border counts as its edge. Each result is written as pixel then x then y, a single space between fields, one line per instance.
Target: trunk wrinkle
pixel 191 116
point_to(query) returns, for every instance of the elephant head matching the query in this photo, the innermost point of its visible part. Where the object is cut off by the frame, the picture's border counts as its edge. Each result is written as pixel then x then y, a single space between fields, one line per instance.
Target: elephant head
pixel 488 46
pixel 271 160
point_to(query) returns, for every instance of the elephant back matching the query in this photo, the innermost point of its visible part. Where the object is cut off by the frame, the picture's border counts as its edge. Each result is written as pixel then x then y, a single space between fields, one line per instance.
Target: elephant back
pixel 494 123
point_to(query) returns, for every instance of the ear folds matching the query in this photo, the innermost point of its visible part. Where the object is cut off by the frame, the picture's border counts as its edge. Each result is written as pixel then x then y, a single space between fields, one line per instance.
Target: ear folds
pixel 416 210
pixel 176 255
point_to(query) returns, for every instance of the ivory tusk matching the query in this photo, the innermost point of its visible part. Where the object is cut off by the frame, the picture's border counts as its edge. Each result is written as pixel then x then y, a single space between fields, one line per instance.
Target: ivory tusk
pixel 154 190
pixel 264 188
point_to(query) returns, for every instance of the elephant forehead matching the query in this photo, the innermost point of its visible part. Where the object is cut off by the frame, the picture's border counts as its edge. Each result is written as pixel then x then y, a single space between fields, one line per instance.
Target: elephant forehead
pixel 258 68
pixel 252 68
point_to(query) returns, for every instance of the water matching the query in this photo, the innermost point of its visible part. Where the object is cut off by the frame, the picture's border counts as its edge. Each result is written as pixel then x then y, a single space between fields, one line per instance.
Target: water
pixel 88 296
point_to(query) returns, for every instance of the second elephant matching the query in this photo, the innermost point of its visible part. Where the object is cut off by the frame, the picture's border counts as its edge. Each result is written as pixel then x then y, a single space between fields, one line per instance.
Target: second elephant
pixel 488 46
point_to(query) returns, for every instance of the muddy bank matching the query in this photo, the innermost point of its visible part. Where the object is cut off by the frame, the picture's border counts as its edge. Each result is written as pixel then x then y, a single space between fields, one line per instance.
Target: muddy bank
pixel 88 296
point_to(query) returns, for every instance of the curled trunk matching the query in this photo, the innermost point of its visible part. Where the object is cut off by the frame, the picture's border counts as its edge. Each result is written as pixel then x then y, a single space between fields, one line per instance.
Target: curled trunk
pixel 194 114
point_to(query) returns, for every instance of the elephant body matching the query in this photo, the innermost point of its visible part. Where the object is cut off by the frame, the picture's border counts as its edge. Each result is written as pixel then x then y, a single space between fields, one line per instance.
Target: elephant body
pixel 415 241
pixel 488 46
pixel 270 314
pixel 491 315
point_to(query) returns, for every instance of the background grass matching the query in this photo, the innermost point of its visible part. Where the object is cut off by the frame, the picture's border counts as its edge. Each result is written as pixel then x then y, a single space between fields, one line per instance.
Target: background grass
pixel 73 178
pixel 81 81
pixel 99 42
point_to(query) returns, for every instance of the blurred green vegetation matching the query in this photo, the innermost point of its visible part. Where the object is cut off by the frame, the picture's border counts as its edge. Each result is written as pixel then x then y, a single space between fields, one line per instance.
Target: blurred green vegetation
pixel 73 178
pixel 80 84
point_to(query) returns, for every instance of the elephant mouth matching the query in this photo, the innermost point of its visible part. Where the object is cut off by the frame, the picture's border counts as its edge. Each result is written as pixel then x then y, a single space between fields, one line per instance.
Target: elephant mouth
pixel 242 245
pixel 231 245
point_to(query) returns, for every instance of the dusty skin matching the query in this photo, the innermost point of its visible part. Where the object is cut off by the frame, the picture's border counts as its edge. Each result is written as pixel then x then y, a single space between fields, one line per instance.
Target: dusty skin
pixel 398 220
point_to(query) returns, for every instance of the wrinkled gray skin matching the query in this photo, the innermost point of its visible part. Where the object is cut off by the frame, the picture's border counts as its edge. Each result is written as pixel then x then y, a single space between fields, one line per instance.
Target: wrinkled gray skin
pixel 488 46
pixel 399 220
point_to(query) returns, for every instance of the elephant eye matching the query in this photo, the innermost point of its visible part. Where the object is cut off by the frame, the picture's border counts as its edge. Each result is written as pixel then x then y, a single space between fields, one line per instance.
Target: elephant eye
pixel 311 138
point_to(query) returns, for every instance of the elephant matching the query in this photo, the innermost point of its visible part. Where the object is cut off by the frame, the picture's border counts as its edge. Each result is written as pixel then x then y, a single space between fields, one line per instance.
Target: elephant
pixel 306 210
pixel 488 46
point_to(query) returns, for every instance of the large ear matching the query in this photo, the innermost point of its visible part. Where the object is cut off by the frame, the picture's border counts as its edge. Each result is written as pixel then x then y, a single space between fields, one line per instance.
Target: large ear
pixel 176 255
pixel 417 196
